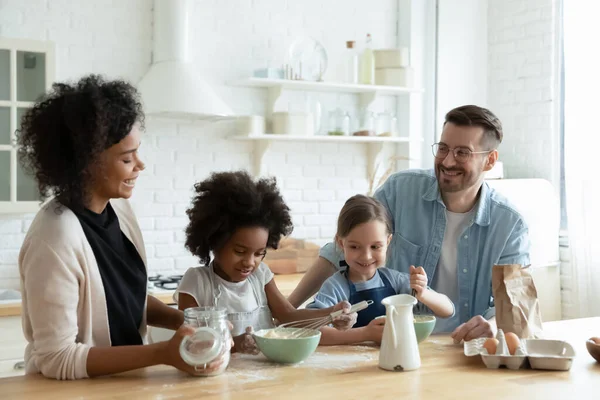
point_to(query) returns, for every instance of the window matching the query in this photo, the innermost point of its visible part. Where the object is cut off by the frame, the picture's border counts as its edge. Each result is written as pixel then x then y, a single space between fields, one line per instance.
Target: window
pixel 561 127
pixel 26 72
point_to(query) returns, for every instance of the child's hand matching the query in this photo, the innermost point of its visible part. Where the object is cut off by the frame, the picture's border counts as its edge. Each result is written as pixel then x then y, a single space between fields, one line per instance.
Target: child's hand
pixel 375 330
pixel 418 280
pixel 346 320
pixel 245 343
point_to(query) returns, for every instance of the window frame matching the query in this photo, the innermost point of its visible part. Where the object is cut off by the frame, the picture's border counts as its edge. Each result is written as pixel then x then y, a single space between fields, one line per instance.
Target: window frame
pixel 14 206
pixel 564 221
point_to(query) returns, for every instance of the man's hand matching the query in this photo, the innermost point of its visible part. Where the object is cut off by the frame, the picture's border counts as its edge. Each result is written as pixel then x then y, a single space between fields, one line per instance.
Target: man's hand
pixel 472 329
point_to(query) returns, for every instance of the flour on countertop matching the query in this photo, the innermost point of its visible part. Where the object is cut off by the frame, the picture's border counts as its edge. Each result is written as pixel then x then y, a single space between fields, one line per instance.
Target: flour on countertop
pixel 319 360
pixel 249 368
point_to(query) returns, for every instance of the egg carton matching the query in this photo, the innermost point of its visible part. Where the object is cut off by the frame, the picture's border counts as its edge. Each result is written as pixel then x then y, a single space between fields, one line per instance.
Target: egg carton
pixel 545 354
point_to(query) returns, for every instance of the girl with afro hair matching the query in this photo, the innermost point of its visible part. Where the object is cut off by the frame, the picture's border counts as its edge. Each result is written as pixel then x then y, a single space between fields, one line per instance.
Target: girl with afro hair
pixel 234 220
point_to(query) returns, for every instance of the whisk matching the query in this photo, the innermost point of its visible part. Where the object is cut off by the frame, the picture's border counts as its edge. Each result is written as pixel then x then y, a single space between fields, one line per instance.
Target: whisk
pixel 311 324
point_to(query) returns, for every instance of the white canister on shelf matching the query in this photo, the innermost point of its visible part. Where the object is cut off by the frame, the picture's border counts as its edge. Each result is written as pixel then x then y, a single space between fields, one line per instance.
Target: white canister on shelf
pixel 293 123
pixel 250 125
pixel 391 58
pixel 401 76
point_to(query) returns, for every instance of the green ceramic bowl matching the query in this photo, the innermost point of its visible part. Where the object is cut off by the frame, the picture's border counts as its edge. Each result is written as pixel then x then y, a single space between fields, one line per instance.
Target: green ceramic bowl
pixel 290 350
pixel 424 325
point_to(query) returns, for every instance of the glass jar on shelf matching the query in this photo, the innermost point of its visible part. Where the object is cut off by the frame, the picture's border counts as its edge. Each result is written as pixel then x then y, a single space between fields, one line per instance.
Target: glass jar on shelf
pixel 339 123
pixel 394 126
pixel 210 341
pixel 366 124
pixel 387 124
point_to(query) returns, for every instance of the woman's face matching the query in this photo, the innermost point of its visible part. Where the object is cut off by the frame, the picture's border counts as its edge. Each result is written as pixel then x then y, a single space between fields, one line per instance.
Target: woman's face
pixel 119 166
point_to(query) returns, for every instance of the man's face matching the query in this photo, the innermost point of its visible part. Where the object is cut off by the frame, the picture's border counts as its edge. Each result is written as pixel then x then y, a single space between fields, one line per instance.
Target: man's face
pixel 455 176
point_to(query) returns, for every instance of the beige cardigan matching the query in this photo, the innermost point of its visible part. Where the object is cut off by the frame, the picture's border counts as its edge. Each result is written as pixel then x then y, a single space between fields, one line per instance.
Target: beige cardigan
pixel 64 306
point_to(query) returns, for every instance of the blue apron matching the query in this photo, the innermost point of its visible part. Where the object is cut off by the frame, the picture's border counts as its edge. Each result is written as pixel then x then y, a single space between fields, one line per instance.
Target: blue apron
pixel 376 294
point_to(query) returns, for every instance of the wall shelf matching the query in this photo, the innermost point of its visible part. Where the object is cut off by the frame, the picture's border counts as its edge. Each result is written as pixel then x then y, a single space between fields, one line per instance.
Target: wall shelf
pixel 327 138
pixel 367 93
pixel 323 86
pixel 375 144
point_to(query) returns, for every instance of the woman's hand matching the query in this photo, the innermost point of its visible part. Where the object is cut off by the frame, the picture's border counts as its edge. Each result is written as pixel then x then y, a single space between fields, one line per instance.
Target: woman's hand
pixel 346 320
pixel 170 354
pixel 245 343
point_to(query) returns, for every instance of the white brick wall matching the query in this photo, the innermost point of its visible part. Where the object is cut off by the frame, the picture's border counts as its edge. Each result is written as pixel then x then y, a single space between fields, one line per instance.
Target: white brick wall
pixel 566 281
pixel 521 85
pixel 228 40
pixel 522 91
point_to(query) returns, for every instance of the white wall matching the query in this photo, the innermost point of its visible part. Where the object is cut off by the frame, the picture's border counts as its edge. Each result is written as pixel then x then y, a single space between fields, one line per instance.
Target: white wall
pixel 502 55
pixel 523 90
pixel 462 55
pixel 228 40
pixel 522 85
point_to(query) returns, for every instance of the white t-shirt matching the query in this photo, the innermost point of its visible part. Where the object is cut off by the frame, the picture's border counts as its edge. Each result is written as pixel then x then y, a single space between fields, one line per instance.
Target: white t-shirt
pixel 201 283
pixel 446 280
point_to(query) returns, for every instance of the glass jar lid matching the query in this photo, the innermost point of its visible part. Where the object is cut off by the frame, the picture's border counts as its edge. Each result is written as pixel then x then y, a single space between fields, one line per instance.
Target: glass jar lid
pixel 202 347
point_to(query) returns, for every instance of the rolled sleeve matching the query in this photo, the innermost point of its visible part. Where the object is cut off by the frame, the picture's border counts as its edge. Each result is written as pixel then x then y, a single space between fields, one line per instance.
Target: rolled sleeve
pixel 333 254
pixel 329 295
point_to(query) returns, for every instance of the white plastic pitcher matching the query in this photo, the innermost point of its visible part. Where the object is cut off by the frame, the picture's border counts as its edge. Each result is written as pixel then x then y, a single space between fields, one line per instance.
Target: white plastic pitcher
pixel 399 350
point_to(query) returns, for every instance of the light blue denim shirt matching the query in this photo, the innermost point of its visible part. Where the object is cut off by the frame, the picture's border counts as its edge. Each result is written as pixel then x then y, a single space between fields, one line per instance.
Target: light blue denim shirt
pixel 497 234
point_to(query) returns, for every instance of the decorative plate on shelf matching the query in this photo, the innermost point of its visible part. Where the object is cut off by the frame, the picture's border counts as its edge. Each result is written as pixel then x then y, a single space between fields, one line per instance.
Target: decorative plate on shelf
pixel 309 57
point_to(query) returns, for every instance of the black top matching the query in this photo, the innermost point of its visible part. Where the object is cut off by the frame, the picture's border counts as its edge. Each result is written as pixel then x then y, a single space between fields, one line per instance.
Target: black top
pixel 123 274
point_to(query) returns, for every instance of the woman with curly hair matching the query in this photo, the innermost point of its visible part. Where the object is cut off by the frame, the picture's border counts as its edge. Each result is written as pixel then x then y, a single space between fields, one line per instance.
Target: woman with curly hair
pixel 82 263
pixel 237 219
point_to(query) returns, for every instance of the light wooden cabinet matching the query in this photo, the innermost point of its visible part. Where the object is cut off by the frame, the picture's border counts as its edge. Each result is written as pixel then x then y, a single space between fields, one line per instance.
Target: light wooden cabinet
pixel 12 346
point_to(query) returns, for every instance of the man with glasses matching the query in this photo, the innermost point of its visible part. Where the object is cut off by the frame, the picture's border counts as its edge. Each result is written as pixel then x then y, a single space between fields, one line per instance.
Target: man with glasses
pixel 449 221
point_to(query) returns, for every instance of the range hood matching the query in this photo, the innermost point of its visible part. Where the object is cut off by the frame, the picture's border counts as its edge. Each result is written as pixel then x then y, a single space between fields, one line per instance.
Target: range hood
pixel 173 87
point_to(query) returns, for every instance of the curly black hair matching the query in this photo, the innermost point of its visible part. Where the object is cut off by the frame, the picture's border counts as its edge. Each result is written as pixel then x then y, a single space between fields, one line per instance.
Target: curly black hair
pixel 61 137
pixel 227 201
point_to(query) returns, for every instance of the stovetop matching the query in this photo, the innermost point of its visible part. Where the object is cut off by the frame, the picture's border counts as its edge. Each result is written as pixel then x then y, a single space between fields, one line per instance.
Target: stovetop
pixel 163 283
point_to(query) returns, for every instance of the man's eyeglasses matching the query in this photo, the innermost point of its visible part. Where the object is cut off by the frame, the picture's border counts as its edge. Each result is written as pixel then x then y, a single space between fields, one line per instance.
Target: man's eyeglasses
pixel 461 154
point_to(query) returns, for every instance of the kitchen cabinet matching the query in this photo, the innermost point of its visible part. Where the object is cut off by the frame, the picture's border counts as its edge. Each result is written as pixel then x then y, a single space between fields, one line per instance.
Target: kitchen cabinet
pixel 26 72
pixel 12 346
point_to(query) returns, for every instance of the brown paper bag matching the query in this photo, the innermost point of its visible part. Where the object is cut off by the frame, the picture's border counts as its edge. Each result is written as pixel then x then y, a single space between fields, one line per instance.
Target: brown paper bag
pixel 516 301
